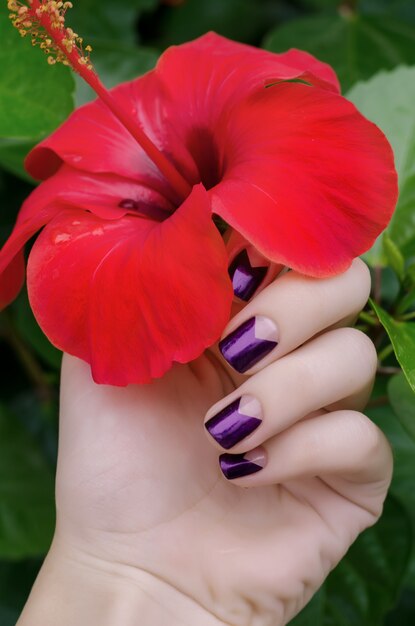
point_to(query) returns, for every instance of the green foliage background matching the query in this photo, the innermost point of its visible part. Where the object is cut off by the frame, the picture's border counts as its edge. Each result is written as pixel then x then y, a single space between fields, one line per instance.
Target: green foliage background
pixel 371 44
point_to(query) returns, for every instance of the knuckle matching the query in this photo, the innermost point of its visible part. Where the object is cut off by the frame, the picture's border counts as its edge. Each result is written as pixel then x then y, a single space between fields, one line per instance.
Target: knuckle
pixel 361 348
pixel 361 275
pixel 371 439
pixel 304 371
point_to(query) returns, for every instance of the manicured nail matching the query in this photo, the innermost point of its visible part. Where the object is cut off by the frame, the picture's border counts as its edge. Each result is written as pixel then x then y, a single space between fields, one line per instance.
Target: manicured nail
pixel 249 343
pixel 245 277
pixel 238 465
pixel 235 422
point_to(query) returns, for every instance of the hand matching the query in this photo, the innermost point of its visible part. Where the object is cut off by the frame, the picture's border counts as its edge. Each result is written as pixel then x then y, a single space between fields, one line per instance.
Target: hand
pixel 143 504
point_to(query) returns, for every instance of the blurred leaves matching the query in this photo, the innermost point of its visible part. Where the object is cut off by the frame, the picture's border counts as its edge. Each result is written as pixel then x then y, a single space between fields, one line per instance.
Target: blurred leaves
pixel 15 583
pixel 361 39
pixel 404 463
pixel 364 585
pixel 355 38
pixel 388 101
pixel 401 397
pixel 107 19
pixel 402 336
pixel 29 330
pixel 34 97
pixel 242 20
pixel 26 492
pixel 12 155
pixel 372 571
pixel 111 30
pixel 394 256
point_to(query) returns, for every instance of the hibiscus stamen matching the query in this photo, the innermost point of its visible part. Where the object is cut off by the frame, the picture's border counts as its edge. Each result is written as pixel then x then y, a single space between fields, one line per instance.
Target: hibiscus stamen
pixel 44 22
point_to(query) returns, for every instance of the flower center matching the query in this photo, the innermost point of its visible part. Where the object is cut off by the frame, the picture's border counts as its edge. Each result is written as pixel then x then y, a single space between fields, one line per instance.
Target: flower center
pixel 144 209
pixel 204 150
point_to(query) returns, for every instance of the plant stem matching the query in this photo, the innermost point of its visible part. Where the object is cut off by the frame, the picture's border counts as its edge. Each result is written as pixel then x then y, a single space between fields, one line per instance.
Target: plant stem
pixel 377 284
pixel 75 57
pixel 380 401
pixel 368 318
pixel 407 317
pixel 383 354
pixel 388 371
pixel 32 368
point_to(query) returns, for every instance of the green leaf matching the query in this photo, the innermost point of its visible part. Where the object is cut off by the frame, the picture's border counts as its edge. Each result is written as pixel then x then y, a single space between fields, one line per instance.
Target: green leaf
pixel 364 585
pixel 34 97
pixel 242 20
pixel 388 101
pixel 12 193
pixel 356 44
pixel 377 561
pixel 402 336
pixel 313 612
pixel 394 256
pixel 12 155
pixel 404 462
pixel 404 612
pixel 107 19
pixel 16 580
pixel 402 399
pixel 30 331
pixel 26 493
pixel 408 301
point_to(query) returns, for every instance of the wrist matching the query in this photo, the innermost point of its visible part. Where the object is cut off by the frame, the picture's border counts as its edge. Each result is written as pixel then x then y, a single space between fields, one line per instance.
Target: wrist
pixel 77 589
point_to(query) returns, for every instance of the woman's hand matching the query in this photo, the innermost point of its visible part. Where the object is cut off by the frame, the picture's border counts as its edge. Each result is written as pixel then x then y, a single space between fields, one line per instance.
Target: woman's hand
pixel 148 527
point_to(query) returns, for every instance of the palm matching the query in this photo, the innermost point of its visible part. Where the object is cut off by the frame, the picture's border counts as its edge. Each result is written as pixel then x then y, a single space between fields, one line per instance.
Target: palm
pixel 138 482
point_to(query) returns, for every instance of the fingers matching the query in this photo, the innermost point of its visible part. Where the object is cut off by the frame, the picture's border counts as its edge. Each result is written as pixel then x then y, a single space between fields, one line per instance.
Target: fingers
pixel 334 369
pixel 342 443
pixel 289 312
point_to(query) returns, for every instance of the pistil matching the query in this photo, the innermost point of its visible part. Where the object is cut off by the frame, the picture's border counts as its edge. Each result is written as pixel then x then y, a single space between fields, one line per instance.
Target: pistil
pixel 44 22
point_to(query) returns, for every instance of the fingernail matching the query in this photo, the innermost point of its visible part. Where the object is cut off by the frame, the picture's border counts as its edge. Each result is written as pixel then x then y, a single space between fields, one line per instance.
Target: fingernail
pixel 245 277
pixel 235 422
pixel 249 343
pixel 238 465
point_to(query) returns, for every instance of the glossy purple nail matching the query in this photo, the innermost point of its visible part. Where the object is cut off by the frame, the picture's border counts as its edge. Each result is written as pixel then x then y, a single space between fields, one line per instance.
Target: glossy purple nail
pixel 238 465
pixel 249 343
pixel 235 422
pixel 245 278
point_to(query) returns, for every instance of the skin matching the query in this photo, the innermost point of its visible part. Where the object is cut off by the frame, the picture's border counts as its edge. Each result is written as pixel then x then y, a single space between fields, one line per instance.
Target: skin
pixel 149 531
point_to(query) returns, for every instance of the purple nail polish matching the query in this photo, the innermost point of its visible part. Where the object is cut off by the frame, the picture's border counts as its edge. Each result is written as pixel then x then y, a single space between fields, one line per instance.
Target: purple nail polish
pixel 245 278
pixel 238 465
pixel 235 422
pixel 249 343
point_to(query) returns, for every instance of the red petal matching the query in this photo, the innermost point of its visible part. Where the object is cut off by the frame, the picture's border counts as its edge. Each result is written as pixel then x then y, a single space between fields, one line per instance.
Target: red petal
pixel 11 281
pixel 93 140
pixel 131 296
pixel 11 257
pixel 68 188
pixel 204 76
pixel 99 193
pixel 308 180
pixel 190 87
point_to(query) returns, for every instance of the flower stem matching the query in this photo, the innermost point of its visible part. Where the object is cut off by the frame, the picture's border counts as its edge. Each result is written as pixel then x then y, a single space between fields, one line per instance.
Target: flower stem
pixel 377 286
pixel 32 368
pixel 368 318
pixel 383 354
pixel 63 45
pixel 177 181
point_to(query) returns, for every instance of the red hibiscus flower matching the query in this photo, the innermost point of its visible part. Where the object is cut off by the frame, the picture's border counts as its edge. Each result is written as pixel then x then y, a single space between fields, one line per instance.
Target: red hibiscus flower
pixel 131 276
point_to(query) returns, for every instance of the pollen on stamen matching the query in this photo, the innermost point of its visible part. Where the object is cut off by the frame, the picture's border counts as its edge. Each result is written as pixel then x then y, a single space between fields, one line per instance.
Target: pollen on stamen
pixel 44 21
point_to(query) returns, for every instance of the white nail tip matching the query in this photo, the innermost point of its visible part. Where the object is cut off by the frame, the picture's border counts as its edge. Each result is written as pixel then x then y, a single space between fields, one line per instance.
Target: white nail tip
pixel 265 329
